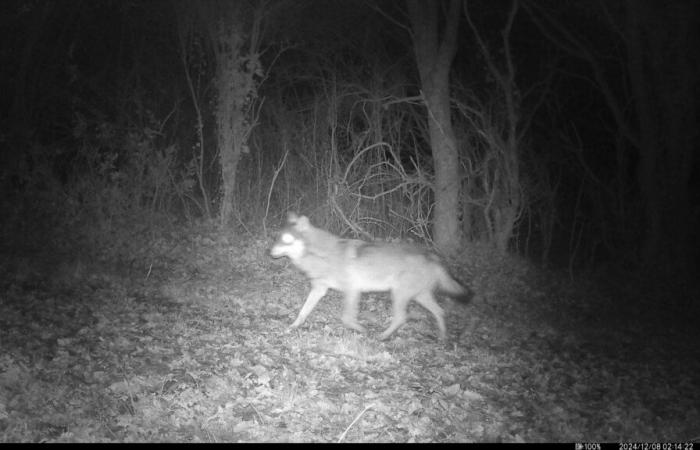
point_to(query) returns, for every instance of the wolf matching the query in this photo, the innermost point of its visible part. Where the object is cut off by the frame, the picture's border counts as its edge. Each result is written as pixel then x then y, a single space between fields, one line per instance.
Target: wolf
pixel 353 266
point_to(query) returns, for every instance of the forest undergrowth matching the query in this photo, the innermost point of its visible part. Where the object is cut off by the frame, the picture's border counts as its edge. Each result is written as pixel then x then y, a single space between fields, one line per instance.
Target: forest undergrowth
pixel 189 343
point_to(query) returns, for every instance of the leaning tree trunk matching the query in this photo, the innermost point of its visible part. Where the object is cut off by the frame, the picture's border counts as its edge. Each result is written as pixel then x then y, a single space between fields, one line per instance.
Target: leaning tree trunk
pixel 434 55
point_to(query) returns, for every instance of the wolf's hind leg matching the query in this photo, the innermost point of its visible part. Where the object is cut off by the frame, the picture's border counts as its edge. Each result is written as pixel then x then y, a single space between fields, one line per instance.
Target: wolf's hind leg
pixel 352 300
pixel 427 300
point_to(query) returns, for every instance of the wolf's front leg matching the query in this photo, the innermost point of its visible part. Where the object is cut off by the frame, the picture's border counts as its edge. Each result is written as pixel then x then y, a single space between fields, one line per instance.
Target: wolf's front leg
pixel 317 292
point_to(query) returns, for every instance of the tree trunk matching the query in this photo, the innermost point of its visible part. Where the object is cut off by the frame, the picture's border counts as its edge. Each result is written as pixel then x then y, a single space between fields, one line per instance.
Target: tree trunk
pixel 235 37
pixel 434 57
pixel 660 44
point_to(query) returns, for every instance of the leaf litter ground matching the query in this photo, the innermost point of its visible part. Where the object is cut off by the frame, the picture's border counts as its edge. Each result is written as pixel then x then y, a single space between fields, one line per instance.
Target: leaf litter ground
pixel 189 344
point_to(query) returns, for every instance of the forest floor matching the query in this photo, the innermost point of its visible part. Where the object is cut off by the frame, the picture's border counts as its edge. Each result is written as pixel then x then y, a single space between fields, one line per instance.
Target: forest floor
pixel 188 343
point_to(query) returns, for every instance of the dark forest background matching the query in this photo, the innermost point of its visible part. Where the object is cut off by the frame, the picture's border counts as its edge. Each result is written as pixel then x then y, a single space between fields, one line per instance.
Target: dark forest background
pixel 573 125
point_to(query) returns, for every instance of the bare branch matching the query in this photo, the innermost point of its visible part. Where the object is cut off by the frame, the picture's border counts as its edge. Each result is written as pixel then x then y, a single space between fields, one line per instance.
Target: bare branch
pixel 392 20
pixel 565 39
pixel 448 46
pixel 482 45
pixel 506 39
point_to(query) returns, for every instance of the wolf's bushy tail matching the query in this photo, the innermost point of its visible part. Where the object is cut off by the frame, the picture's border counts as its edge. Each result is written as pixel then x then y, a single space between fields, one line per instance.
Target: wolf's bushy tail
pixel 449 286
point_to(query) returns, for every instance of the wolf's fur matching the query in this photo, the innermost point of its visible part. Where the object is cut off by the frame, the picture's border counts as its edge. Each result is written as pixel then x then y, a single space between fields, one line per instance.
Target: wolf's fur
pixel 352 267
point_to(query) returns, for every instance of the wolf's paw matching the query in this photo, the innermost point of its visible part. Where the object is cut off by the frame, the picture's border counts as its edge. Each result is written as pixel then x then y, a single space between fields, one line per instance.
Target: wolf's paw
pixel 354 326
pixel 292 327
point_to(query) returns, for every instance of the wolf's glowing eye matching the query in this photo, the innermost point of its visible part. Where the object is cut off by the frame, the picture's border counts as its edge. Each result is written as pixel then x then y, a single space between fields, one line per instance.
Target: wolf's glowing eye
pixel 287 238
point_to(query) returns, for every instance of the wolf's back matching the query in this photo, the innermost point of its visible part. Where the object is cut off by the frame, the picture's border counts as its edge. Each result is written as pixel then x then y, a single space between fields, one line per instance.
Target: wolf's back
pixel 404 267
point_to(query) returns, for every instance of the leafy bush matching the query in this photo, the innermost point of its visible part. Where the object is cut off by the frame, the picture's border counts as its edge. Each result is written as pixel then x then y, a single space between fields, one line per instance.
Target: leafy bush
pixel 99 194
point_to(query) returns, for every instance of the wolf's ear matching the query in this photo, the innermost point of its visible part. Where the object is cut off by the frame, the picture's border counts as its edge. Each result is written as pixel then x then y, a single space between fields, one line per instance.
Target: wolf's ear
pixel 302 223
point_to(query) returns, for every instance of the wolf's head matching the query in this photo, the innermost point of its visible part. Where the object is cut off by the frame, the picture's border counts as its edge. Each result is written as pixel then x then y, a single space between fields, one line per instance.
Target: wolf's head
pixel 290 242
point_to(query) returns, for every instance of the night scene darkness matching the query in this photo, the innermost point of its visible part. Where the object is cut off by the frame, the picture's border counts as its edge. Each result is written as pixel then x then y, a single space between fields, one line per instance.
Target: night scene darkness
pixel 469 221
